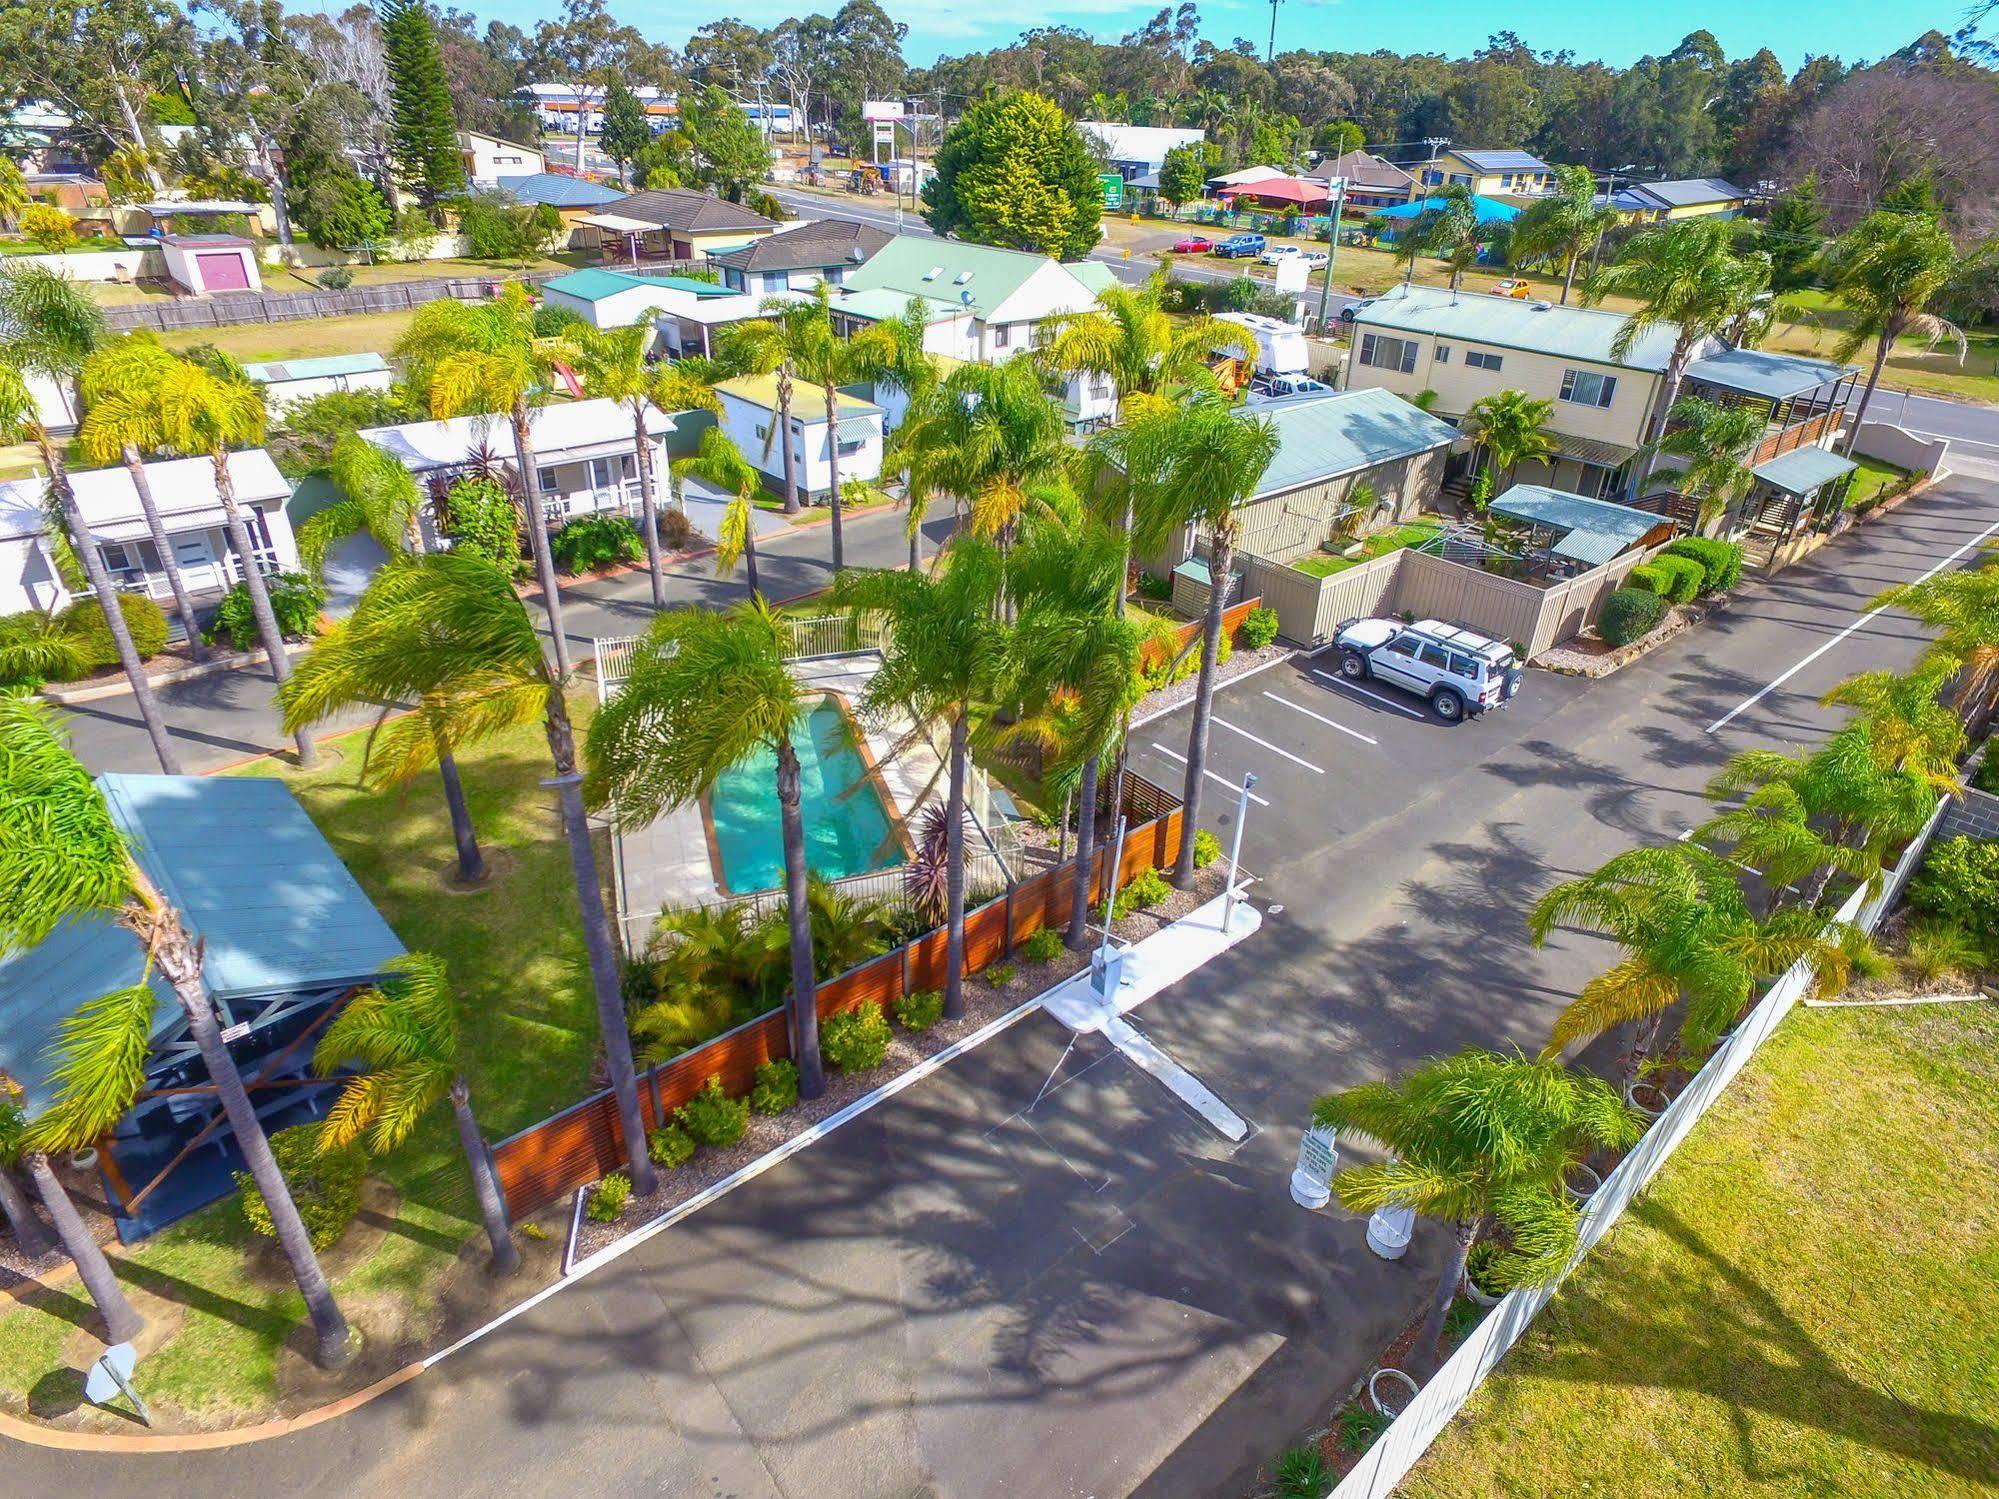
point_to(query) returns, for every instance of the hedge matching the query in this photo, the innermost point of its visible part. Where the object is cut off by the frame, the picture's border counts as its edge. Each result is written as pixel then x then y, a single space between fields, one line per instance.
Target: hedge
pixel 1684 577
pixel 1649 577
pixel 84 623
pixel 1629 614
pixel 1721 560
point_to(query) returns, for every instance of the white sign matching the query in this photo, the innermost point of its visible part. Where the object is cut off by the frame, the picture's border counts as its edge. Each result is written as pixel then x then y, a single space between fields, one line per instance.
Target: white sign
pixel 111 1376
pixel 1291 273
pixel 1318 1159
pixel 882 109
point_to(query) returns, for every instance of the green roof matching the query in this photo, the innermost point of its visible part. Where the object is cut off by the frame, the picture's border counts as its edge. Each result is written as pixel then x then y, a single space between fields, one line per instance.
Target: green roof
pixel 1323 437
pixel 881 304
pixel 1092 273
pixel 1803 470
pixel 1594 531
pixel 593 284
pixel 324 367
pixel 980 277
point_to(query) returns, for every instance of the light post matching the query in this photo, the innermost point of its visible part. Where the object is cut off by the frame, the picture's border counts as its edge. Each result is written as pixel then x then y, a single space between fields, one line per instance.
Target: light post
pixel 1235 846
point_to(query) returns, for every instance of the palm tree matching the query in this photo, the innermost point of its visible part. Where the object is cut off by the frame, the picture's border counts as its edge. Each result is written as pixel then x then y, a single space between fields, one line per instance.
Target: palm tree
pixel 124 435
pixel 775 344
pixel 30 1238
pixel 486 357
pixel 449 632
pixel 1713 440
pixel 718 461
pixel 378 496
pixel 1887 270
pixel 404 1036
pixel 1130 339
pixel 1448 228
pixel 891 354
pixel 1479 1138
pixel 62 856
pixel 945 662
pixel 1513 427
pixel 1962 608
pixel 1909 725
pixel 1563 227
pixel 1773 834
pixel 829 362
pixel 705 692
pixel 615 367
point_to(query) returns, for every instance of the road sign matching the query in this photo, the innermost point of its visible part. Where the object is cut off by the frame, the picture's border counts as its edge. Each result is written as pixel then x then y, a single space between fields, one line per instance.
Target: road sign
pixel 1112 185
pixel 1318 1159
pixel 882 109
pixel 1291 273
pixel 111 1376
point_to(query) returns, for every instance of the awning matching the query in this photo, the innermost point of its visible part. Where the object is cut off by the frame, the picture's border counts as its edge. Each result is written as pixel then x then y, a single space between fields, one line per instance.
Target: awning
pixel 1591 450
pixel 1803 471
pixel 1591 548
pixel 855 428
pixel 617 222
pixel 1774 377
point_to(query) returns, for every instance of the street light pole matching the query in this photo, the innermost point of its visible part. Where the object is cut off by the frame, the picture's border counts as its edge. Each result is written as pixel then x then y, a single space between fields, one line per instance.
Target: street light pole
pixel 1235 846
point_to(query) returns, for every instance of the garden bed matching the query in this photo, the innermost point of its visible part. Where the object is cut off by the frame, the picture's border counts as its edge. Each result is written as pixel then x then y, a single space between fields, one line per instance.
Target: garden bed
pixel 1240 664
pixel 1395 539
pixel 1590 655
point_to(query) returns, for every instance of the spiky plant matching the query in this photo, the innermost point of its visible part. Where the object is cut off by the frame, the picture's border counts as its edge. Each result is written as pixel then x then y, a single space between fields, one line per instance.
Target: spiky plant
pixel 1962 608
pixel 1512 426
pixel 1713 441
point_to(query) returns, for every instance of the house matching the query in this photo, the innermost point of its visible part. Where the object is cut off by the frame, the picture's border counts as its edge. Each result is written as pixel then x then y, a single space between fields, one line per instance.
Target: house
pixel 490 157
pixel 557 105
pixel 1576 531
pixel 1685 198
pixel 585 453
pixel 1490 173
pixel 1279 194
pixel 1014 299
pixel 287 937
pixel 800 257
pixel 617 299
pixel 162 218
pixel 1371 181
pixel 688 323
pixel 208 263
pixel 1132 151
pixel 291 380
pixel 749 416
pixel 675 223
pixel 190 513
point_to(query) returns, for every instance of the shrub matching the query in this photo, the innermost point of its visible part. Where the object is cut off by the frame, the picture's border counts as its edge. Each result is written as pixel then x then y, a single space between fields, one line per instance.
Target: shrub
pixel 1359 1427
pixel 776 1087
pixel 296 600
pixel 1149 889
pixel 1000 975
pixel 608 1198
pixel 1684 577
pixel 481 520
pixel 669 1146
pixel 1959 881
pixel 1986 777
pixel 48 226
pixel 325 1185
pixel 1939 946
pixel 919 1010
pixel 1207 848
pixel 1259 628
pixel 1650 577
pixel 1720 560
pixel 712 1117
pixel 1043 947
pixel 336 277
pixel 34 649
pixel 1301 1473
pixel 1628 615
pixel 551 321
pixel 855 1040
pixel 1153 586
pixel 593 541
pixel 84 623
pixel 673 528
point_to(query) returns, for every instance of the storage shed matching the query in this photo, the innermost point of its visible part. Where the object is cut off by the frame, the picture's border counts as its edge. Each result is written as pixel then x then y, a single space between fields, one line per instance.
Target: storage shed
pixel 207 263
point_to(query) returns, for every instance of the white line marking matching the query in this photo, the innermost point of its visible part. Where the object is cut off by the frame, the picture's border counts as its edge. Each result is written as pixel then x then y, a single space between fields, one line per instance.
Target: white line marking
pixel 1218 780
pixel 1326 676
pixel 1749 702
pixel 1172 708
pixel 1221 722
pixel 1295 708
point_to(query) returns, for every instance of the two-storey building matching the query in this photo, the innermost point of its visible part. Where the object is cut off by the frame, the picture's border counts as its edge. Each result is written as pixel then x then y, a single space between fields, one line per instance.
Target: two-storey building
pixel 1491 174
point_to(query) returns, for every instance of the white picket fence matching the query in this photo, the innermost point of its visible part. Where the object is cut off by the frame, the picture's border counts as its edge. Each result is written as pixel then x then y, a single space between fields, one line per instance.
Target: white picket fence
pixel 1399 1448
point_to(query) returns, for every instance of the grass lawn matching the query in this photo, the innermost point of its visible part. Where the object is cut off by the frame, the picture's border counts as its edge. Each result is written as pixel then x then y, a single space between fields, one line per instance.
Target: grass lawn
pixel 1911 363
pixel 1806 1302
pixel 1414 534
pixel 517 960
pixel 359 333
pixel 1871 477
pixel 85 245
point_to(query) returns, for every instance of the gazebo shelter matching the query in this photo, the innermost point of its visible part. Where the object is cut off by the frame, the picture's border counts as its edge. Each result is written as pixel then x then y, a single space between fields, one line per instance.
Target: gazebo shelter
pixel 1278 194
pixel 288 937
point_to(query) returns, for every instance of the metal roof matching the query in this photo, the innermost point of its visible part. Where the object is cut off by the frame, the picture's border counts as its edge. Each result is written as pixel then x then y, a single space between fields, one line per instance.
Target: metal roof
pixel 1504 161
pixel 594 284
pixel 1802 470
pixel 808 403
pixel 1595 530
pixel 855 429
pixel 1684 192
pixel 255 881
pixel 817 244
pixel 556 188
pixel 560 432
pixel 324 367
pixel 1591 450
pixel 182 487
pixel 979 277
pixel 689 211
pixel 1584 333
pixel 1147 143
pixel 1363 170
pixel 1775 377
pixel 1321 437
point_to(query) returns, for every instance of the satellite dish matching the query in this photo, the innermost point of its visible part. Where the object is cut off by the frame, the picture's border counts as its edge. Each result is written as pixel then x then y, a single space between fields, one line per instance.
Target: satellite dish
pixel 965 297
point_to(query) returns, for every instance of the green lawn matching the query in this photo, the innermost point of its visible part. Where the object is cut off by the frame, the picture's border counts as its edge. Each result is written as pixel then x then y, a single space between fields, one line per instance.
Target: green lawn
pixel 85 245
pixel 1325 564
pixel 1806 1302
pixel 516 955
pixel 1912 363
pixel 358 333
pixel 1871 477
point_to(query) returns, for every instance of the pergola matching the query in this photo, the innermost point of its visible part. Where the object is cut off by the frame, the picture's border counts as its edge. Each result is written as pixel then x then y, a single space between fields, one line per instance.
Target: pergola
pixel 1279 193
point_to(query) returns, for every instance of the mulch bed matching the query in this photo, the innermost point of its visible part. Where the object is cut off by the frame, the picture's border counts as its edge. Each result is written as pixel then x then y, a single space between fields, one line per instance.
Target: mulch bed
pixel 1590 656
pixel 1241 664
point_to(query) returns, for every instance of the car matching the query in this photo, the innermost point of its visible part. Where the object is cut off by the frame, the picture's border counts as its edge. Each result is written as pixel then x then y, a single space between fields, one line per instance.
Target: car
pixel 1275 386
pixel 1238 245
pixel 1193 244
pixel 1459 671
pixel 1278 254
pixel 1352 309
pixel 1512 287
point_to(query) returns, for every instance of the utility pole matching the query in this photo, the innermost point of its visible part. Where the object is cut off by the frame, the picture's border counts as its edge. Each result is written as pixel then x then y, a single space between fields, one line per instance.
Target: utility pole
pixel 1339 187
pixel 1270 52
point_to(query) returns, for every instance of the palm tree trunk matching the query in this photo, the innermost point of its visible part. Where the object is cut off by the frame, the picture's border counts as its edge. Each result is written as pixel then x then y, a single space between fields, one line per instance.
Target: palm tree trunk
pixel 1644 1036
pixel 471 862
pixel 30 1238
pixel 492 1207
pixel 1569 276
pixel 803 1011
pixel 121 1323
pixel 784 437
pixel 1221 557
pixel 750 555
pixel 597 939
pixel 142 486
pixel 915 543
pixel 544 559
pixel 107 601
pixel 954 874
pixel 1430 1342
pixel 1086 832
pixel 833 472
pixel 648 511
pixel 260 596
pixel 1655 426
pixel 1881 346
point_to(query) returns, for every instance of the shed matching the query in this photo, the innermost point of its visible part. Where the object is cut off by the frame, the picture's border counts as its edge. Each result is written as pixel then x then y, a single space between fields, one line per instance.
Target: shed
pixel 206 263
pixel 1591 532
pixel 289 380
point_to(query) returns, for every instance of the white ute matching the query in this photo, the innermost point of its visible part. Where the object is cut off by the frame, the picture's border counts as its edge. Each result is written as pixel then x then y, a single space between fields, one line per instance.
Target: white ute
pixel 1461 672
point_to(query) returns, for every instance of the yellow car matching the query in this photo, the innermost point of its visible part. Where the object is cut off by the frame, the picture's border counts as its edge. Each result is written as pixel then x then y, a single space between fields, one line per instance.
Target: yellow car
pixel 1513 288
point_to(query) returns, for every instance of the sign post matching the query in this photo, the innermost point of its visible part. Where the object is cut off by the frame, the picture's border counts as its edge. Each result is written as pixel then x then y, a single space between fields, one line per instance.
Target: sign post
pixel 111 1376
pixel 1318 1159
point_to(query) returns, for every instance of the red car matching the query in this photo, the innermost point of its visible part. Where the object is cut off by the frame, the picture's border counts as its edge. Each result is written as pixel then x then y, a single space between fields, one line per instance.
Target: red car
pixel 1193 244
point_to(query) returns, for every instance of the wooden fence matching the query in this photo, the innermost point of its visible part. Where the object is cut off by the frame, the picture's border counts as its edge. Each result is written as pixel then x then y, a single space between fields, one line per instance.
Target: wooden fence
pixel 307 306
pixel 583 1143
pixel 1157 654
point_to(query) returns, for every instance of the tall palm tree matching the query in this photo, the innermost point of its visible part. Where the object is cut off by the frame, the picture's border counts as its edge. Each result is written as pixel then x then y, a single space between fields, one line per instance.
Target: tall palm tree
pixel 1712 440
pixel 1130 339
pixel 449 632
pixel 124 435
pixel 775 344
pixel 486 357
pixel 1448 228
pixel 1479 1138
pixel 1513 427
pixel 945 662
pixel 378 496
pixel 1563 227
pixel 62 856
pixel 30 1238
pixel 1962 608
pixel 1887 271
pixel 403 1035
pixel 829 362
pixel 718 461
pixel 705 692
pixel 1905 718
pixel 891 353
pixel 208 410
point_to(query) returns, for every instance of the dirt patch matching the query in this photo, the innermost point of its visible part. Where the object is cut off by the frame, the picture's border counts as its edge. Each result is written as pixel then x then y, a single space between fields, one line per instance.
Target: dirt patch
pixel 266 1264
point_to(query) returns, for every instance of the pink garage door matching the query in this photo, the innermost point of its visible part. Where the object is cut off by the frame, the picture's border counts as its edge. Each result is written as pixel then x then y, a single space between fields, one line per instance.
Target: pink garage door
pixel 222 271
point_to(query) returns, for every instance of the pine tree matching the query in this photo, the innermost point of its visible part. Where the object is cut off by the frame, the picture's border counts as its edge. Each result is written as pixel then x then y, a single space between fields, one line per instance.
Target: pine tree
pixel 625 130
pixel 423 138
pixel 1792 236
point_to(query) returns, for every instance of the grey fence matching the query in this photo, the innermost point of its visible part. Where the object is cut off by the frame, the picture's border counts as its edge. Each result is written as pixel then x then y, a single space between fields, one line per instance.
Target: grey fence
pixel 188 313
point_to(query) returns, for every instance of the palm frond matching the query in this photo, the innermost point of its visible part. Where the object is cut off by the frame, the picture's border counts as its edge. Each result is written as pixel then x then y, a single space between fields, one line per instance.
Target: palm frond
pixel 98 1064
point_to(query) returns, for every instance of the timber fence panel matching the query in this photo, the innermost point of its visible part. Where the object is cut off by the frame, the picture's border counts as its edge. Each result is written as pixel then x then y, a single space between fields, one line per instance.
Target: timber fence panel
pixel 877 982
pixel 985 935
pixel 1355 594
pixel 1432 588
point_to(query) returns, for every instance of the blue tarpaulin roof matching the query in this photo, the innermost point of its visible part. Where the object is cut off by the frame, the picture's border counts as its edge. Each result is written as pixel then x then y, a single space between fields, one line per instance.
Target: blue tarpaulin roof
pixel 1489 210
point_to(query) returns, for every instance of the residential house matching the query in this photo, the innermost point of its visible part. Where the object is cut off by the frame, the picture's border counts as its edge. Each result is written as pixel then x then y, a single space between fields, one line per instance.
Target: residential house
pixel 490 157
pixel 616 299
pixel 1685 198
pixel 286 937
pixel 750 418
pixel 1371 181
pixel 676 223
pixel 289 381
pixel 1489 173
pixel 190 512
pixel 574 199
pixel 208 263
pixel 800 257
pixel 1133 151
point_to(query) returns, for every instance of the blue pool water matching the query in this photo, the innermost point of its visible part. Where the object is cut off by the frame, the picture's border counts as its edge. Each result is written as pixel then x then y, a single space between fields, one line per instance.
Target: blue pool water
pixel 846 824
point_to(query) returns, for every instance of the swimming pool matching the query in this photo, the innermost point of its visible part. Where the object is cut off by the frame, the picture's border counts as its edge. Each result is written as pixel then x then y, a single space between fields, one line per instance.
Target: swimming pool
pixel 848 829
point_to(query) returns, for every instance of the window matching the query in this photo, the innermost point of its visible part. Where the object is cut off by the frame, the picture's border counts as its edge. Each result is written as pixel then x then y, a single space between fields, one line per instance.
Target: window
pixel 763 431
pixel 1402 646
pixel 1001 333
pixel 1443 353
pixel 1436 656
pixel 1476 359
pixel 1587 388
pixel 544 479
pixel 116 559
pixel 1388 353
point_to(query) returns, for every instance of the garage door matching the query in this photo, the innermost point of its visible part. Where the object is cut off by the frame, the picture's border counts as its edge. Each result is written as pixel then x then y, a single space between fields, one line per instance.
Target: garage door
pixel 222 271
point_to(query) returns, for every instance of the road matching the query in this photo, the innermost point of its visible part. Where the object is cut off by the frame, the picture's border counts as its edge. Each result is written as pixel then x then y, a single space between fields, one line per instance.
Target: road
pixel 1963 422
pixel 1035 1272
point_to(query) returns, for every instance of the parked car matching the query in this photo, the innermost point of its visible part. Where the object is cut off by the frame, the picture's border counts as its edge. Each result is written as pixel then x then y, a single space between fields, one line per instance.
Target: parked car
pixel 1193 244
pixel 1459 671
pixel 1278 254
pixel 1352 309
pixel 1237 245
pixel 1513 287
pixel 1288 385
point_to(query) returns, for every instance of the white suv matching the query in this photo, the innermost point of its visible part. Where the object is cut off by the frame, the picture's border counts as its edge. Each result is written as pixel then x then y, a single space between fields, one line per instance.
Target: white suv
pixel 1460 671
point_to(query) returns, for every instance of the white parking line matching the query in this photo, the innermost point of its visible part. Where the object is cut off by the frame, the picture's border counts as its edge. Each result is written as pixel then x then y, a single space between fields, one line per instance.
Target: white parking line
pixel 1219 721
pixel 1326 676
pixel 1218 780
pixel 1295 708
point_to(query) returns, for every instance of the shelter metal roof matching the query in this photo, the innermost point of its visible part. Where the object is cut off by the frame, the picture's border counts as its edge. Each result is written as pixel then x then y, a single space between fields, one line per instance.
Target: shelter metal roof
pixel 1775 377
pixel 1594 530
pixel 1803 470
pixel 1321 437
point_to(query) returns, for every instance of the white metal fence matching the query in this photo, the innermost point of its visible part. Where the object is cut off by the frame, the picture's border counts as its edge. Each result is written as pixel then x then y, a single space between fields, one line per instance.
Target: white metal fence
pixel 828 635
pixel 1399 1448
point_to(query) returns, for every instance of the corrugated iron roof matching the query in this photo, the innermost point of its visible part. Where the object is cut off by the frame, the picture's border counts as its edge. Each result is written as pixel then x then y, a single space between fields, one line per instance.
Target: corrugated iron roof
pixel 1585 333
pixel 1321 437
pixel 1595 530
pixel 323 367
pixel 1775 377
pixel 1802 470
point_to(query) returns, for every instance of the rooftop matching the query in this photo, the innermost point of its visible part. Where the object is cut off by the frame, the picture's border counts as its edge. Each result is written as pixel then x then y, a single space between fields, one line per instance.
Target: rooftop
pixel 1593 531
pixel 1585 333
pixel 1775 377
pixel 324 367
pixel 1362 169
pixel 1684 192
pixel 1803 470
pixel 980 277
pixel 1322 437
pixel 817 244
pixel 879 304
pixel 761 390
pixel 594 284
pixel 181 487
pixel 562 431
pixel 557 188
pixel 1137 142
pixel 685 209
pixel 1504 161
